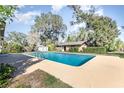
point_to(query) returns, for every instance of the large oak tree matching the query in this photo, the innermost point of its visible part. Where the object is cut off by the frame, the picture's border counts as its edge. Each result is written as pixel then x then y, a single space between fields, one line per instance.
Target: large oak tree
pixel 101 30
pixel 50 27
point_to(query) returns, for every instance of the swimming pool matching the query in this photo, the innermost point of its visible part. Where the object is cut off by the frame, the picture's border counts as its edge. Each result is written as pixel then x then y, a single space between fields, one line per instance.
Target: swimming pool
pixel 69 59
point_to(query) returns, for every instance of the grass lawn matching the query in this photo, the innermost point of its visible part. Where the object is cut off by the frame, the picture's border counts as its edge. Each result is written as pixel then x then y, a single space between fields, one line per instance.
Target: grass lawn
pixel 116 54
pixel 38 79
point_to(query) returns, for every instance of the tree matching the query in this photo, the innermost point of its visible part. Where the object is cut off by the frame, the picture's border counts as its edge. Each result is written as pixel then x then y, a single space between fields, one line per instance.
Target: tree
pixel 32 41
pixel 101 30
pixel 6 14
pixel 71 38
pixel 50 27
pixel 119 45
pixel 17 37
pixel 15 42
pixel 81 35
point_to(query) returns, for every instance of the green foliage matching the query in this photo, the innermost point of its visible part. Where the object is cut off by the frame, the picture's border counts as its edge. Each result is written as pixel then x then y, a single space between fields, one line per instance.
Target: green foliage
pixel 119 45
pixel 15 48
pixel 73 49
pixel 4 52
pixel 5 74
pixel 71 38
pixel 52 82
pixel 17 37
pixel 12 48
pixel 81 35
pixel 116 45
pixel 49 80
pixel 15 42
pixel 7 12
pixel 51 47
pixel 97 50
pixel 100 30
pixel 117 54
pixel 2 29
pixel 50 27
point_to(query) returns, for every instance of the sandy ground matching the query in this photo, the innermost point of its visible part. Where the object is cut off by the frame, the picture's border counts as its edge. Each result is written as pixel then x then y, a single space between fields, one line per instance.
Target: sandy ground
pixel 99 72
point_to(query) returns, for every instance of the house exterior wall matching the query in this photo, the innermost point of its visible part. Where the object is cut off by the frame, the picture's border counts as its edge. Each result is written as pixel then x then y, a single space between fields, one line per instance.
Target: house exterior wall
pixel 60 48
pixel 66 48
pixel 81 47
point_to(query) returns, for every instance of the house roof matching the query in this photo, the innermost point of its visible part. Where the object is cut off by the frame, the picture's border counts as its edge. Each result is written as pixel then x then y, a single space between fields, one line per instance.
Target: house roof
pixel 71 43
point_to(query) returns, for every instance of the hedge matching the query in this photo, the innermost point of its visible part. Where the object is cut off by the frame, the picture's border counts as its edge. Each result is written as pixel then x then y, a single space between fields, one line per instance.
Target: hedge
pixel 98 50
pixel 73 49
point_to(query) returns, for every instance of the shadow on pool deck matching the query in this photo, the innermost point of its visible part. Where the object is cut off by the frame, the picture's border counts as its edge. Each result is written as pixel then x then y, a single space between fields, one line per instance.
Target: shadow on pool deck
pixel 20 61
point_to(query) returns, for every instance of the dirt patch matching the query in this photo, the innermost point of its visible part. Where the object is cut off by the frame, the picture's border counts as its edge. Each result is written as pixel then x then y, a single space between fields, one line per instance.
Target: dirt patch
pixel 37 79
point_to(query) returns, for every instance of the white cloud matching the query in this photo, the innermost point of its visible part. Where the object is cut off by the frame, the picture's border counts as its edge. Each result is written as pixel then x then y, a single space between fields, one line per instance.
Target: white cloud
pixel 99 9
pixel 57 8
pixel 85 8
pixel 119 28
pixel 99 12
pixel 75 28
pixel 21 6
pixel 26 17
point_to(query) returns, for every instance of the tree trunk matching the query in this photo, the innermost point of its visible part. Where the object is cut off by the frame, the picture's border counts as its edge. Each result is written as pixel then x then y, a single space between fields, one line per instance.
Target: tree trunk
pixel 2 29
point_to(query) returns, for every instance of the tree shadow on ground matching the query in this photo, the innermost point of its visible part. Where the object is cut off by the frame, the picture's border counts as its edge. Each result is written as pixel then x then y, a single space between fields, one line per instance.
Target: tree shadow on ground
pixel 22 66
pixel 19 61
pixel 13 58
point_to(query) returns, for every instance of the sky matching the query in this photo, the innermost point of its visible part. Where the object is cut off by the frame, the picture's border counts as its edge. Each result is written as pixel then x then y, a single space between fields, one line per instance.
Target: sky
pixel 25 16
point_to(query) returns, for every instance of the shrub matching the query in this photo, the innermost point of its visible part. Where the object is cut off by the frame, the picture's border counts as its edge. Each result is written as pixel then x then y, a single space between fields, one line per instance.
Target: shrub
pixel 4 51
pixel 15 48
pixel 12 48
pixel 5 74
pixel 73 49
pixel 51 47
pixel 98 50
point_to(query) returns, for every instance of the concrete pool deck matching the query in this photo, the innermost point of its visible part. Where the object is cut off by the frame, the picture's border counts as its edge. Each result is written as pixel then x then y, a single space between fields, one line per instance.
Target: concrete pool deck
pixel 99 72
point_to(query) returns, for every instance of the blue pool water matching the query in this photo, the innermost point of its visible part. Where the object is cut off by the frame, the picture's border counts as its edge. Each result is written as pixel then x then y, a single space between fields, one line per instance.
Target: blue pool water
pixel 69 59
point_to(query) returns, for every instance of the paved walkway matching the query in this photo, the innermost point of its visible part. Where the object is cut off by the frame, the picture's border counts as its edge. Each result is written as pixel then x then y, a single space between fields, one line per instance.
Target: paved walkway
pixel 101 71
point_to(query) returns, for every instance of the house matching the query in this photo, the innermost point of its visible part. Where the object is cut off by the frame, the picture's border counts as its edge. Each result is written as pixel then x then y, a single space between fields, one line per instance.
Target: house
pixel 66 46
